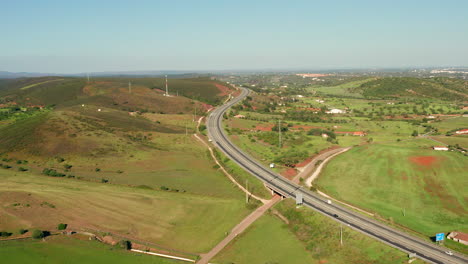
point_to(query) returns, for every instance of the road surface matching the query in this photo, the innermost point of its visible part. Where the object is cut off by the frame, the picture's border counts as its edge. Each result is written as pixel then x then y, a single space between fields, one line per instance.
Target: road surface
pixel 410 244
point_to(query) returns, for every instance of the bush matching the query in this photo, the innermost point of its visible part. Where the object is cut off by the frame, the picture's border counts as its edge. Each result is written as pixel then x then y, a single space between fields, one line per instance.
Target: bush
pixel 125 244
pixel 37 234
pixel 5 234
pixel 22 169
pixel 97 169
pixel 62 226
pixel 104 180
pixel 22 231
pixel 52 173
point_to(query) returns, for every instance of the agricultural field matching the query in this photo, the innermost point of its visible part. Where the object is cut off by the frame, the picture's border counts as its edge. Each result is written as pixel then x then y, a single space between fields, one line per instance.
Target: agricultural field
pixel 406 183
pixel 174 220
pixel 60 249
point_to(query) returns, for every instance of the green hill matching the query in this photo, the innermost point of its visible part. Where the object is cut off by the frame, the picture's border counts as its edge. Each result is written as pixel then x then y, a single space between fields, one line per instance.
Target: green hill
pixel 441 88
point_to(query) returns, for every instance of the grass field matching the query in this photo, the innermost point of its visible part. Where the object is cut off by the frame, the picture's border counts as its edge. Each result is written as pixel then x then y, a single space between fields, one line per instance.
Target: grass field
pixel 451 123
pixel 406 182
pixel 308 238
pixel 462 141
pixel 60 249
pixel 321 238
pixel 266 241
pixel 342 89
pixel 180 221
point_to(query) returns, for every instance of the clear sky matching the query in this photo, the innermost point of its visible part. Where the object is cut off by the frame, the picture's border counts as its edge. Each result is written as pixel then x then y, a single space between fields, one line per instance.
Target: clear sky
pixel 85 36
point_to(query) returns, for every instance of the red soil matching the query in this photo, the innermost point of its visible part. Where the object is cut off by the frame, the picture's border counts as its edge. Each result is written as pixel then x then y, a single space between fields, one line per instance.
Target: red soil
pixel 264 127
pixel 207 107
pixel 303 127
pixel 304 163
pixel 224 90
pixel 289 173
pixel 425 161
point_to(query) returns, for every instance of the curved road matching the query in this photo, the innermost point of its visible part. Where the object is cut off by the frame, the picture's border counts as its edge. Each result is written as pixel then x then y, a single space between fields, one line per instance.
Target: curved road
pixel 410 244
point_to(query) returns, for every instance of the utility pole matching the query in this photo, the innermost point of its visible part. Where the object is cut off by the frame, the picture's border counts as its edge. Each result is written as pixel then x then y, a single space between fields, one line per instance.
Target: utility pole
pixel 167 91
pixel 341 234
pixel 247 192
pixel 279 133
pixel 129 87
pixel 87 75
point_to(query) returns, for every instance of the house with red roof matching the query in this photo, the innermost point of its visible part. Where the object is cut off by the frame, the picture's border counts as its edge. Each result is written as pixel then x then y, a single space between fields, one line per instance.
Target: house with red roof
pixel 459 237
pixel 461 132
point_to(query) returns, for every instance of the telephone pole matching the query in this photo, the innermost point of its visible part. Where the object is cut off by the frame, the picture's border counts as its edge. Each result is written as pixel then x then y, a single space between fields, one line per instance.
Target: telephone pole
pixel 279 133
pixel 341 234
pixel 247 192
pixel 167 91
pixel 129 87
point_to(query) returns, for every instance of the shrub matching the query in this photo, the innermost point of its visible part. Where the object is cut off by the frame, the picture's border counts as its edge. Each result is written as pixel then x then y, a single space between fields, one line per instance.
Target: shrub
pixel 104 180
pixel 52 173
pixel 97 169
pixel 5 234
pixel 125 244
pixel 37 234
pixel 22 169
pixel 22 231
pixel 62 226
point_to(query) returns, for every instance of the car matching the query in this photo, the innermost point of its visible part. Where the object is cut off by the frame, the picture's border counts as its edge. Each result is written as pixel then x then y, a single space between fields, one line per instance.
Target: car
pixel 449 253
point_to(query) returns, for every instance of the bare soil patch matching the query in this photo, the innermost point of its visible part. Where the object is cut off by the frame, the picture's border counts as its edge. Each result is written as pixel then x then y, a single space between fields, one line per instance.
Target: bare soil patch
pixel 425 161
pixel 224 90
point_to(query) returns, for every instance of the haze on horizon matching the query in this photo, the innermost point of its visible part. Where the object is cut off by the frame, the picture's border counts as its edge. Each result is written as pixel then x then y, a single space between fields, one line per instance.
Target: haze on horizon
pixel 86 36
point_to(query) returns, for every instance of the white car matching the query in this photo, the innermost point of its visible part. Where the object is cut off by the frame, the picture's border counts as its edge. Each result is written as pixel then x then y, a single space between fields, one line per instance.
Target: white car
pixel 449 253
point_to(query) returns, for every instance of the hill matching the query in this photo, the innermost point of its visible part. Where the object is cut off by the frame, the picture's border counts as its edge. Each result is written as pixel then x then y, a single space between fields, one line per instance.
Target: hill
pixel 440 88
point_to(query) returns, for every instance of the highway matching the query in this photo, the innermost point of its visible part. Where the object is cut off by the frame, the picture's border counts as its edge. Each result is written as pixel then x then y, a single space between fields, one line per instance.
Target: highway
pixel 425 250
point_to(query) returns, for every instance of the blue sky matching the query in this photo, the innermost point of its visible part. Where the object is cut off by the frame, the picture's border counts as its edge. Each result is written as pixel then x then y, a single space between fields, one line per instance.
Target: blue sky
pixel 80 36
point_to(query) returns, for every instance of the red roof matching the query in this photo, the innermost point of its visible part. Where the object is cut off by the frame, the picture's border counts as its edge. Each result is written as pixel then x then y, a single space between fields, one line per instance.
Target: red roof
pixel 461 236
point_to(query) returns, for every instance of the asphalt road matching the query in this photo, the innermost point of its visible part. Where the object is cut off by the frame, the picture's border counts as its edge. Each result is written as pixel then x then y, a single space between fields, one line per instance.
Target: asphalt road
pixel 410 244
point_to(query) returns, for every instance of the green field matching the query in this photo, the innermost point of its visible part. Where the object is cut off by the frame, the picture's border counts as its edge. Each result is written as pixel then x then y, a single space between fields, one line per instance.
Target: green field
pixel 59 249
pixel 321 238
pixel 180 221
pixel 407 183
pixel 308 238
pixel 342 89
pixel 451 124
pixel 266 241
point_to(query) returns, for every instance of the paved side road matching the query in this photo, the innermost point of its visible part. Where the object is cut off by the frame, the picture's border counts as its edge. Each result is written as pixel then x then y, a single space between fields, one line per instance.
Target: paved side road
pixel 239 229
pixel 310 167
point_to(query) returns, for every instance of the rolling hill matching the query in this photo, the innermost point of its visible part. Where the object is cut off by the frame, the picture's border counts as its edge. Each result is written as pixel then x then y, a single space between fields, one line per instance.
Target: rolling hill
pixel 441 88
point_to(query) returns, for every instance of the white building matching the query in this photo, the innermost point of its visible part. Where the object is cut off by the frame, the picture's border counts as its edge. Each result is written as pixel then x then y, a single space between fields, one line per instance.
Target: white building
pixel 443 148
pixel 335 111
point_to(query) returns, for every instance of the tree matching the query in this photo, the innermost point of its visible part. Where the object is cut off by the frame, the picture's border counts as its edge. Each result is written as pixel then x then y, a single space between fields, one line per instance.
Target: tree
pixel 415 133
pixel 37 234
pixel 62 226
pixel 125 244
